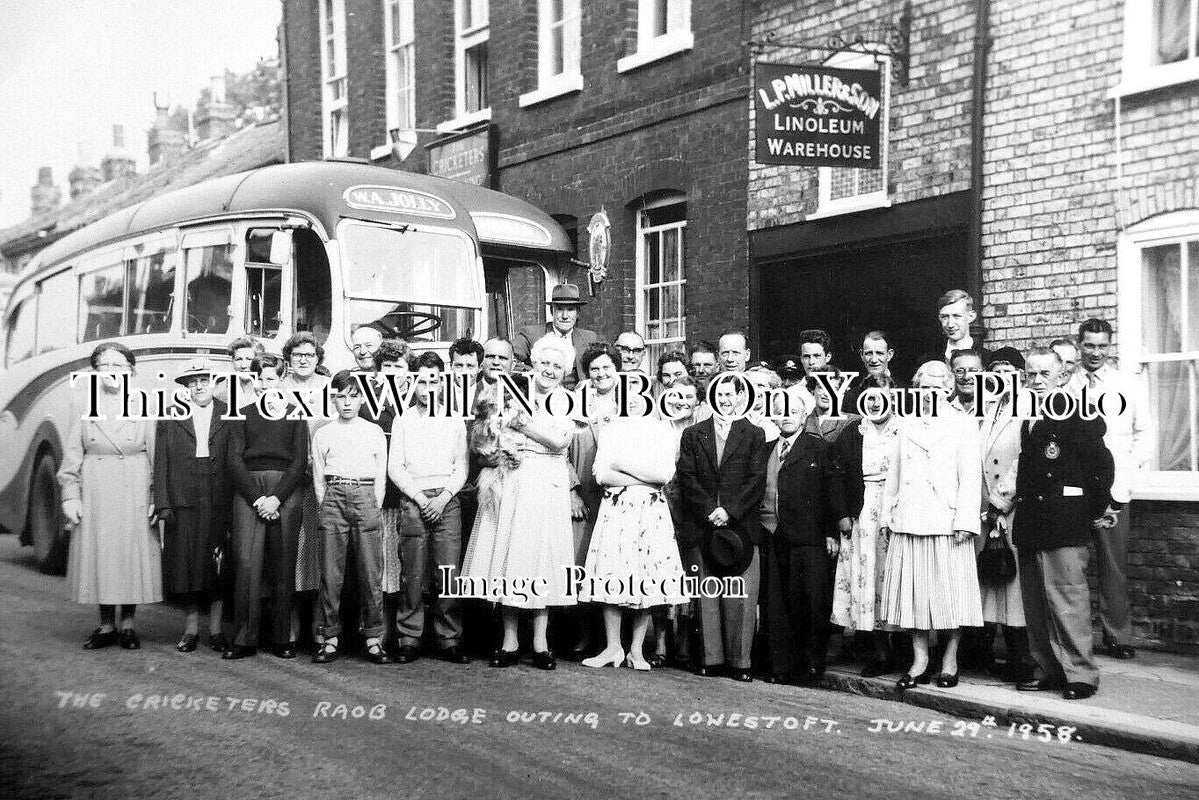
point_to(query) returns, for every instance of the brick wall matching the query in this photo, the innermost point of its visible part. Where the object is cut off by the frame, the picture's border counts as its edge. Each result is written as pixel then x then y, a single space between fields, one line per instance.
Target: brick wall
pixel 929 143
pixel 301 32
pixel 1163 556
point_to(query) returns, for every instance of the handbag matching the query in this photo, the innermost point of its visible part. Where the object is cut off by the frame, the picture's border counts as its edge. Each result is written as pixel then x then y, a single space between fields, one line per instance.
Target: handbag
pixel 996 562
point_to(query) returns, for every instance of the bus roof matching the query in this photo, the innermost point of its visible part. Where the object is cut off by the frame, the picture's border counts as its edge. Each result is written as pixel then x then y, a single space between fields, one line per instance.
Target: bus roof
pixel 322 189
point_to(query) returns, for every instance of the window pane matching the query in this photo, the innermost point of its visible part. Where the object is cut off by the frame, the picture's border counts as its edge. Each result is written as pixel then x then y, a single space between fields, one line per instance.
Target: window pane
pixel 152 295
pixel 56 306
pixel 1171 23
pixel 556 10
pixel 209 277
pixel 842 183
pixel 661 16
pixel 869 180
pixel 1172 392
pixel 20 332
pixel 394 30
pixel 268 247
pixel 1191 312
pixel 102 298
pixel 264 292
pixel 1161 298
pixel 476 78
pixel 653 258
pixel 670 301
pixel 670 254
pixel 557 50
pixel 653 304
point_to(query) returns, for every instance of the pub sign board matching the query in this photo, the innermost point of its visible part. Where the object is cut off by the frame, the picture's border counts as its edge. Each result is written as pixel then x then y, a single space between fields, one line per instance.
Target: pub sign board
pixel 816 116
pixel 465 156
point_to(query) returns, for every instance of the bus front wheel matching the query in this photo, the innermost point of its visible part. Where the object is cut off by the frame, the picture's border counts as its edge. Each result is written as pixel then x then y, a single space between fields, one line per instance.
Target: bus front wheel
pixel 45 517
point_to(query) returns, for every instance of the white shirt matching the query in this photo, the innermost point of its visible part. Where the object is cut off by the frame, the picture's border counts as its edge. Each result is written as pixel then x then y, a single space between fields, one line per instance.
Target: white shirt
pixel 965 343
pixel 427 453
pixel 354 449
pixel 1129 436
pixel 202 419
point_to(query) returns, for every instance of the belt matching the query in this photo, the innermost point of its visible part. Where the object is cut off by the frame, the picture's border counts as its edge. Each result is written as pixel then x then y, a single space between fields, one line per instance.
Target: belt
pixel 337 480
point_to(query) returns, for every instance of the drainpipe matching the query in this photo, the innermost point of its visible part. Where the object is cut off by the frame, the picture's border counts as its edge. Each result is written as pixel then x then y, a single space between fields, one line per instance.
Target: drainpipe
pixel 974 246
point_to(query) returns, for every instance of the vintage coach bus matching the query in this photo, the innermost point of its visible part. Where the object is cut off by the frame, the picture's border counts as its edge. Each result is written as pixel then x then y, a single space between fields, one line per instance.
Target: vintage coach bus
pixel 319 246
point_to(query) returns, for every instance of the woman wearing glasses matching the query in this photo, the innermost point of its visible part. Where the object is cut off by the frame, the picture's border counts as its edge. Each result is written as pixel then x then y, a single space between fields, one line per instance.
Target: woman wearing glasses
pixel 115 558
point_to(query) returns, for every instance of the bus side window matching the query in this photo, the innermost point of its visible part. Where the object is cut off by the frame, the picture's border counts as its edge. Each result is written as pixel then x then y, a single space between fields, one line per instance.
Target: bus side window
pixel 56 309
pixel 208 274
pixel 102 302
pixel 268 253
pixel 20 331
pixel 151 292
pixel 314 291
pixel 516 295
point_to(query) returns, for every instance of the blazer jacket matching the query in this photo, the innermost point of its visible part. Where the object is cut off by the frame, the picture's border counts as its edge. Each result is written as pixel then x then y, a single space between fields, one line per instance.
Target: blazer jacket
pixel 935 485
pixel 1063 483
pixel 580 340
pixel 1000 433
pixel 736 484
pixel 175 446
pixel 811 495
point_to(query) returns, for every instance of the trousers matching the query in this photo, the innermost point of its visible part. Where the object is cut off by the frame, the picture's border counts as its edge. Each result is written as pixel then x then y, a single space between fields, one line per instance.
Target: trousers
pixel 1057 610
pixel 425 546
pixel 796 604
pixel 727 624
pixel 350 512
pixel 1111 551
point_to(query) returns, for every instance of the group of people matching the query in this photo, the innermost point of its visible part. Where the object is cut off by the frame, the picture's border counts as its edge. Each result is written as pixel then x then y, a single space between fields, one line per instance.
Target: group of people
pixel 904 530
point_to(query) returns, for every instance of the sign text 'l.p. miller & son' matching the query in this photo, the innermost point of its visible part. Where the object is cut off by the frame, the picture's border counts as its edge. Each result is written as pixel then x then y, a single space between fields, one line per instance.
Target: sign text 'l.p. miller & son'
pixel 817 116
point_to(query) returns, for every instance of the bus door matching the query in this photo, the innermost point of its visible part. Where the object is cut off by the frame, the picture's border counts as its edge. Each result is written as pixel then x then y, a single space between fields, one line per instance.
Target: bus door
pixel 516 293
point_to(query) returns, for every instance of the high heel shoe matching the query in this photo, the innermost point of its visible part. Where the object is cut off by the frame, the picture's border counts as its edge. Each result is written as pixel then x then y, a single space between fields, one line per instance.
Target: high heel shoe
pixel 608 658
pixel 947 680
pixel 504 658
pixel 909 681
pixel 543 659
pixel 636 663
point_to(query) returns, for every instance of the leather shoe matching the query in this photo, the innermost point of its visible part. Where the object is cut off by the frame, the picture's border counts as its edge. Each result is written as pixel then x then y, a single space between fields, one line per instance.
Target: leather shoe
pixel 284 650
pixel 236 651
pixel 325 654
pixel 741 675
pixel 129 640
pixel 1039 685
pixel 188 643
pixel 454 654
pixel 773 678
pixel 407 653
pixel 707 671
pixel 947 680
pixel 100 639
pixel 1078 691
pixel 218 643
pixel 1121 651
pixel 576 654
pixel 544 660
pixel 377 655
pixel 504 658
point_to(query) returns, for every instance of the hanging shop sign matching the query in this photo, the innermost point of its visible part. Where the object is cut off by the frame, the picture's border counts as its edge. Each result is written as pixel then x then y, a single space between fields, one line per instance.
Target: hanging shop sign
pixel 599 246
pixel 465 157
pixel 816 116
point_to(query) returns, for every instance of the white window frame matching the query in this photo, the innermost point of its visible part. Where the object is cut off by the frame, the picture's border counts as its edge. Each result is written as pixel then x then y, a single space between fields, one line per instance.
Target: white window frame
pixel 658 345
pixel 826 205
pixel 464 39
pixel 652 47
pixel 1180 226
pixel 335 90
pixel 570 79
pixel 1138 73
pixel 401 100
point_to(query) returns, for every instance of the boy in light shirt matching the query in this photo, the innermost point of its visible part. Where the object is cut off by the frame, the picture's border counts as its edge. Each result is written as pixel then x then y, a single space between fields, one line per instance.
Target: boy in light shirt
pixel 349 470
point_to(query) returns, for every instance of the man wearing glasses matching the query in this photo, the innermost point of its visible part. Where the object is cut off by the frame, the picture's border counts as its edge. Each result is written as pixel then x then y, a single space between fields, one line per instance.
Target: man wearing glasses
pixel 965 365
pixel 631 347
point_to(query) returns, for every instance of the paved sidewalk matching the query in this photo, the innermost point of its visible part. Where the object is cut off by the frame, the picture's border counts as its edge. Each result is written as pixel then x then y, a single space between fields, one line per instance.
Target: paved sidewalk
pixel 1147 705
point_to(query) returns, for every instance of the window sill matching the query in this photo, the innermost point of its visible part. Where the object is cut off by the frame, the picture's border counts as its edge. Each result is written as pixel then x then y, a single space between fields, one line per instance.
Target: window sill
pixel 566 84
pixel 850 205
pixel 381 152
pixel 1177 486
pixel 663 46
pixel 1151 78
pixel 464 121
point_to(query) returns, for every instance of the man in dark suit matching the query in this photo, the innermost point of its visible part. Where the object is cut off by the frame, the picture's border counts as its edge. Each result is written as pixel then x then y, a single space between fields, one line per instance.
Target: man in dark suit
pixel 803 503
pixel 1063 487
pixel 565 302
pixel 192 496
pixel 721 476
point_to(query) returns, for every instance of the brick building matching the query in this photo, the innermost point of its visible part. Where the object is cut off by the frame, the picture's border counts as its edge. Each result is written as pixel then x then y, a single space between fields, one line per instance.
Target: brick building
pixel 631 108
pixel 1041 155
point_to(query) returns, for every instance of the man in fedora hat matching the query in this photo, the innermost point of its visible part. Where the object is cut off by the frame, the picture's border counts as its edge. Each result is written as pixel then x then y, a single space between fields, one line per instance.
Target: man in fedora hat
pixel 721 476
pixel 565 301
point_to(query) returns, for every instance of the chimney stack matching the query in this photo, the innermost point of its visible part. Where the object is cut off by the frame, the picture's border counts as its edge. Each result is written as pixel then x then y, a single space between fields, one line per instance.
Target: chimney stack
pixel 118 163
pixel 85 175
pixel 44 196
pixel 215 118
pixel 164 140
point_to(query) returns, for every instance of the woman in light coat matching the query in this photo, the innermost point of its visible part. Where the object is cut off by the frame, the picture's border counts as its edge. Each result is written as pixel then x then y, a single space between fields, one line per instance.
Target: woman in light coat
pixel 931 516
pixel 115 558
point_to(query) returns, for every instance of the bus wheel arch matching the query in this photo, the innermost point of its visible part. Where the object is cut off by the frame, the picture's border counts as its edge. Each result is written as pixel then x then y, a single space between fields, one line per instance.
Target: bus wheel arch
pixel 45 525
